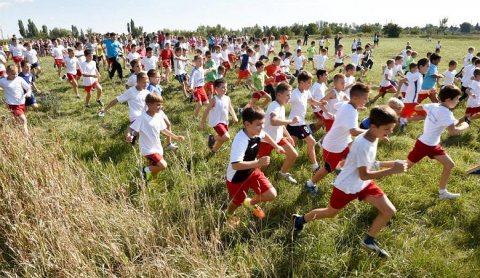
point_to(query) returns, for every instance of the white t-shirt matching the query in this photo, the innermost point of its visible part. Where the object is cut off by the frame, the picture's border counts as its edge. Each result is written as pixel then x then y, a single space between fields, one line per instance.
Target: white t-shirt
pixel 286 65
pixel 356 58
pixel 80 56
pixel 243 149
pixel 89 68
pixel 362 153
pixel 135 100
pixel 253 60
pixel 149 63
pixel 415 81
pixel 31 56
pixel 149 129
pixel 155 47
pixel 132 80
pixel 388 72
pixel 349 81
pixel 475 91
pixel 333 104
pixel 396 69
pixel 318 92
pixel 449 77
pixel 225 55
pixel 320 61
pixel 276 132
pixel 133 56
pixel 179 66
pixel 219 112
pixel 217 57
pixel 298 60
pixel 58 52
pixel 197 78
pixel 72 64
pixel 14 90
pixel 438 119
pixel 338 138
pixel 263 49
pixel 468 74
pixel 299 103
pixel 17 51
pixel 468 59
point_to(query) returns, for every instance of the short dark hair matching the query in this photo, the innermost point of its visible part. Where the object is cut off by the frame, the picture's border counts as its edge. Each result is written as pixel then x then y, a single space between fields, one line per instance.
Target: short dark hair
pixel 452 63
pixel 422 62
pixel 153 98
pixel 412 66
pixel 282 87
pixel 435 57
pixel 87 52
pixel 398 57
pixel 359 89
pixel 382 115
pixel 219 82
pixel 148 49
pixel 259 64
pixel 320 73
pixel 449 92
pixel 252 113
pixel 142 74
pixel 349 67
pixel 133 63
pixel 304 76
pixel 276 59
pixel 151 73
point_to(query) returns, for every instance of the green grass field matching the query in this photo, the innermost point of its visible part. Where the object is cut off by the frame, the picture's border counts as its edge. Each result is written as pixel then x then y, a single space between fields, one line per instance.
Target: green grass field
pixel 72 202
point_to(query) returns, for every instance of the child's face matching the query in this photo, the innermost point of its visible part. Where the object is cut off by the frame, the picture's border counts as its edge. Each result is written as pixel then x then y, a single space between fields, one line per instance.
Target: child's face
pixel 255 127
pixel 221 90
pixel 136 67
pixel 221 71
pixel 299 53
pixel 89 57
pixel 260 69
pixel 134 48
pixel 12 73
pixel 452 67
pixel 349 72
pixel 323 78
pixel 382 132
pixel 155 79
pixel 304 85
pixel 424 69
pixel 284 97
pixel 399 62
pixel 359 101
pixel 149 54
pixel 71 54
pixel 339 84
pixel 414 70
pixel 451 103
pixel 29 47
pixel 198 63
pixel 26 68
pixel 390 65
pixel 142 83
pixel 154 106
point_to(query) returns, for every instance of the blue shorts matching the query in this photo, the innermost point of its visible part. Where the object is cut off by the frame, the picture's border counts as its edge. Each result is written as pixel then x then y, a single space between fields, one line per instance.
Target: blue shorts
pixel 29 101
pixel 181 77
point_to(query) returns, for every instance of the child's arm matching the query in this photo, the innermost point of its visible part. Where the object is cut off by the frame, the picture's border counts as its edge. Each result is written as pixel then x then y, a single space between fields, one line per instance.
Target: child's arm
pixel 210 105
pixel 129 136
pixel 457 129
pixel 246 165
pixel 34 86
pixel 232 111
pixel 270 141
pixel 394 167
pixel 109 105
pixel 357 131
pixel 170 134
pixel 419 108
pixel 275 121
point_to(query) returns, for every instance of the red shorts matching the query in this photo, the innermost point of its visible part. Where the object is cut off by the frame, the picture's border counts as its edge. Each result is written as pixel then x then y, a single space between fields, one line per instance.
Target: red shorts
pixel 79 74
pixel 232 58
pixel 318 115
pixel 153 159
pixel 281 77
pixel 17 110
pixel 90 87
pixel 257 181
pixel 340 199
pixel 72 76
pixel 332 159
pixel 266 149
pixel 226 65
pixel 200 95
pixel 244 74
pixel 166 63
pixel 59 62
pixel 472 110
pixel 17 59
pixel 383 90
pixel 221 129
pixel 409 110
pixel 209 87
pixel 328 124
pixel 422 97
pixel 258 95
pixel 2 72
pixel 420 150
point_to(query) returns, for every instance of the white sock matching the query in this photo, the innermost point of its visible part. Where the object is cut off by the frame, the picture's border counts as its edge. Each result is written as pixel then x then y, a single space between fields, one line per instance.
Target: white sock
pixel 441 191
pixel 147 169
pixel 310 183
pixel 315 166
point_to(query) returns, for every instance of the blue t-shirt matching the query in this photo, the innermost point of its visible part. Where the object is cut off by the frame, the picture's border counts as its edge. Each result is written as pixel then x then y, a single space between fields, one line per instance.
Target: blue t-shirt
pixel 113 48
pixel 29 78
pixel 154 89
pixel 365 123
pixel 244 63
pixel 429 81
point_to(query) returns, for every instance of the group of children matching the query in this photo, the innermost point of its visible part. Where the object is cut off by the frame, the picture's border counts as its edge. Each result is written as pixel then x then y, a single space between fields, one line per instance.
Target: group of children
pixel 349 146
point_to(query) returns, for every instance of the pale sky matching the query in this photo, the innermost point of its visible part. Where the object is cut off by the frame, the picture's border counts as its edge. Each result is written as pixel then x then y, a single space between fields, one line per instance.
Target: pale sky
pixel 108 15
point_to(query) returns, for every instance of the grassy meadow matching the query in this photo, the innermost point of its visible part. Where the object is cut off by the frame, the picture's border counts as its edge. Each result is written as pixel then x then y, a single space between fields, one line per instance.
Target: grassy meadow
pixel 72 203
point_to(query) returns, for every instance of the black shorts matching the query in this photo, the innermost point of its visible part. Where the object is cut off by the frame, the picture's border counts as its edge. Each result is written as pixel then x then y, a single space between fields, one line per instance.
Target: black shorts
pixel 359 68
pixel 337 65
pixel 310 59
pixel 270 90
pixel 34 65
pixel 181 77
pixel 297 72
pixel 300 131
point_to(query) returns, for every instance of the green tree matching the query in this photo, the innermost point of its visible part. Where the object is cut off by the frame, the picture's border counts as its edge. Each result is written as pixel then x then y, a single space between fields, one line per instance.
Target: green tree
pixel 466 27
pixel 32 31
pixel 45 30
pixel 392 30
pixel 21 29
pixel 75 31
pixel 442 27
pixel 60 32
pixel 128 27
pixel 312 28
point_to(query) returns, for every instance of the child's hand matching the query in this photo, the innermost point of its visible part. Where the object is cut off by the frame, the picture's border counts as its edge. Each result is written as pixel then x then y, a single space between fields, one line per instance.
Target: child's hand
pixel 363 108
pixel 295 120
pixel 330 115
pixel 28 94
pixel 235 120
pixel 180 138
pixel 263 161
pixel 291 141
pixel 280 150
pixel 399 166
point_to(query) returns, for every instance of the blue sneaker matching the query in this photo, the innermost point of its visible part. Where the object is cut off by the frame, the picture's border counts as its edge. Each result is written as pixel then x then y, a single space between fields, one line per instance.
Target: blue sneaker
pixel 298 222
pixel 311 187
pixel 372 245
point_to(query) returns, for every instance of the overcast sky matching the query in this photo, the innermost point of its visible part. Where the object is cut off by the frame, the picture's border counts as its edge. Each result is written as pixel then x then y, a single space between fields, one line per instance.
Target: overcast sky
pixel 108 15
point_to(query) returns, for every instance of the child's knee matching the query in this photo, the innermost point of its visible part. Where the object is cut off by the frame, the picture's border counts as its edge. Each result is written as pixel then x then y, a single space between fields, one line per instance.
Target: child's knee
pixel 390 212
pixel 162 164
pixel 225 137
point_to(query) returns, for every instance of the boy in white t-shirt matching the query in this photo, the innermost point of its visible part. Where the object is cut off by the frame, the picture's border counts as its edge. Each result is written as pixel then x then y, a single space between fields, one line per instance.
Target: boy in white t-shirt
pixel 299 62
pixel 31 57
pixel 320 60
pixel 149 125
pixel 349 78
pixel 336 141
pixel 58 53
pixel 197 83
pixel 180 69
pixel 133 55
pixel 332 98
pixel 356 179
pixel 439 117
pixel 467 60
pixel 386 85
pixel 300 99
pixel 149 61
pixel 339 56
pixel 275 123
pixel 473 102
pixel 217 112
pixel 16 89
pixel 72 66
pixel 318 91
pixel 132 79
pixel 357 58
pixel 91 78
pixel 450 74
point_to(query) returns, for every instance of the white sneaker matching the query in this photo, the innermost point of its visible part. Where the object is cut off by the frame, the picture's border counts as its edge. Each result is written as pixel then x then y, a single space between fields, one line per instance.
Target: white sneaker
pixel 448 195
pixel 288 177
pixel 172 147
